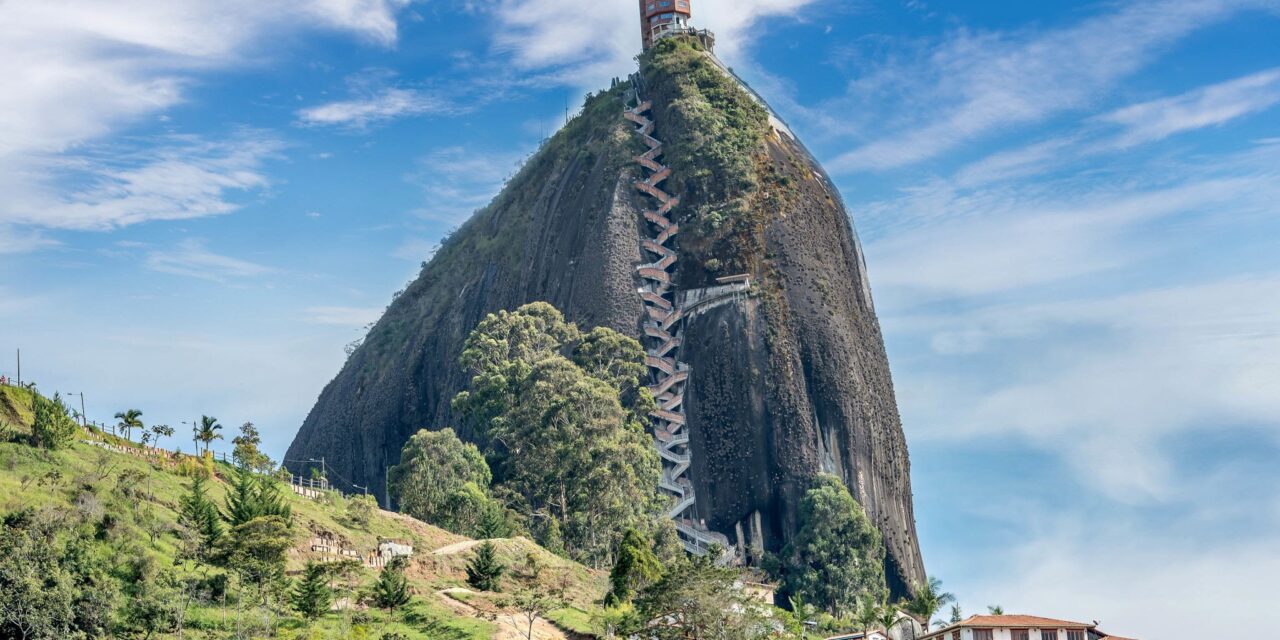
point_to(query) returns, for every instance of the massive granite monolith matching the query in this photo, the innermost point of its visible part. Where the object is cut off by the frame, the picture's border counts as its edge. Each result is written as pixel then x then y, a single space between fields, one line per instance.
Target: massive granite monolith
pixel 787 382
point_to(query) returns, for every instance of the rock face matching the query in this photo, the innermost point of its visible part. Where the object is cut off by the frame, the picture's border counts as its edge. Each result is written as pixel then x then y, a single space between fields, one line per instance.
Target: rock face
pixel 786 383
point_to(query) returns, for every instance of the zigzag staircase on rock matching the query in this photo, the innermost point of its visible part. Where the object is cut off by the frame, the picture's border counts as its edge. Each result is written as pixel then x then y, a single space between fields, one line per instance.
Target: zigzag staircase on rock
pixel 661 329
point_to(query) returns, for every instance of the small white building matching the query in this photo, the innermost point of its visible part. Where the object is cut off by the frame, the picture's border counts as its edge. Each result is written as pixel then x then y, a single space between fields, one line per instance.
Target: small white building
pixel 391 548
pixel 1018 627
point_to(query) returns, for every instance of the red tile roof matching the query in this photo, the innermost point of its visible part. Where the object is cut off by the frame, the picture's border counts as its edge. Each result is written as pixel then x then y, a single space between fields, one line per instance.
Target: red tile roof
pixel 1014 621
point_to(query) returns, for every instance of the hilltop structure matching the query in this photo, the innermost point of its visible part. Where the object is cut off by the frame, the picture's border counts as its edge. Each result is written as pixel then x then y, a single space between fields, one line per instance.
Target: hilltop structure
pixel 678 209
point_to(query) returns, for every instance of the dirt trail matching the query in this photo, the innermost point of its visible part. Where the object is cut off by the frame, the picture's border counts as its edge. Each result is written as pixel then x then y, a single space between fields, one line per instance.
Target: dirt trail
pixel 457 547
pixel 510 626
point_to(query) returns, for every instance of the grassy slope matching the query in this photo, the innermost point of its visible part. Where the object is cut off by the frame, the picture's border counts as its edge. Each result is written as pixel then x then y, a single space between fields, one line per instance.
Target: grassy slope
pixel 31 477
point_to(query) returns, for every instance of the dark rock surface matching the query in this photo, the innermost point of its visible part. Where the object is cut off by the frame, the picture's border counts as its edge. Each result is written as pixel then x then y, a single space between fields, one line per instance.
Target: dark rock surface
pixel 789 383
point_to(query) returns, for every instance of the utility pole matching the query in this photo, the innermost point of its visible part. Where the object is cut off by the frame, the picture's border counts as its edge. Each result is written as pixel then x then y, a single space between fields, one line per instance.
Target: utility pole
pixel 84 421
pixel 19 367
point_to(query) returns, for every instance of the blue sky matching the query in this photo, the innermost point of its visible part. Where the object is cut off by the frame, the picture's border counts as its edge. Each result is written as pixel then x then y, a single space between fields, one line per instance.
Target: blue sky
pixel 1069 212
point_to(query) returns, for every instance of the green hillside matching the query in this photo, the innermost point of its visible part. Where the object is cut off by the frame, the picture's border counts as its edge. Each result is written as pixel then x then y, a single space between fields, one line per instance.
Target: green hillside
pixel 108 503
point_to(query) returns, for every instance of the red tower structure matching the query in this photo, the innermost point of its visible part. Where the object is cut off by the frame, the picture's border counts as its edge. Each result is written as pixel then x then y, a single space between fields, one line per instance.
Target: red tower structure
pixel 660 17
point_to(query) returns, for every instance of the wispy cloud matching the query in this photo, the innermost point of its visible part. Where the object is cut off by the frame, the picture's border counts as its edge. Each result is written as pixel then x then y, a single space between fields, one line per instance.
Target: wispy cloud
pixel 387 104
pixel 190 258
pixel 178 178
pixel 342 316
pixel 973 84
pixel 1205 107
pixel 456 181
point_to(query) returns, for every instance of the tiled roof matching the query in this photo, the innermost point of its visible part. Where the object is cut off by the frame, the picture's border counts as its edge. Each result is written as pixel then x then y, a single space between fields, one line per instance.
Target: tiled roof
pixel 1014 621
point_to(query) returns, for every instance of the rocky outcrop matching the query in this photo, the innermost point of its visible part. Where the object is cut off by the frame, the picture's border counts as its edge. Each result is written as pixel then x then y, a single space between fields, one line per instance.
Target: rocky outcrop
pixel 786 383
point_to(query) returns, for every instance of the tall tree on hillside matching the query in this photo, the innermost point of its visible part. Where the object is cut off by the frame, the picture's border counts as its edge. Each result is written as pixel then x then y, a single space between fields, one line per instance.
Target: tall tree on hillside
pixel 247 453
pixel 254 496
pixel 129 420
pixel 441 480
pixel 207 431
pixel 564 421
pixel 837 558
pixel 929 599
pixel 197 512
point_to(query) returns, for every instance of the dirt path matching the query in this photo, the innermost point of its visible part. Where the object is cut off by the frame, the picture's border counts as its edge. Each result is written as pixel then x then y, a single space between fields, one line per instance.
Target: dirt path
pixel 457 547
pixel 510 627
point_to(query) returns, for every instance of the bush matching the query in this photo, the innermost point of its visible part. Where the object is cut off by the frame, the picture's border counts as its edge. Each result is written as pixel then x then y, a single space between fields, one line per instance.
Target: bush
pixel 53 427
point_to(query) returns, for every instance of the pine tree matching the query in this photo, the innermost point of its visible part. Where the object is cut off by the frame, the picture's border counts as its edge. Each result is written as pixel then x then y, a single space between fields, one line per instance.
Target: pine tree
pixel 270 500
pixel 311 596
pixel 484 570
pixel 253 496
pixel 392 588
pixel 242 500
pixel 198 512
pixel 492 523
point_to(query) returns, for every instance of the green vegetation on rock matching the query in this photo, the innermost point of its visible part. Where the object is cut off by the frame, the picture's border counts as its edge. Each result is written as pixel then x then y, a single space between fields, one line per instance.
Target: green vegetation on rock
pixel 837 558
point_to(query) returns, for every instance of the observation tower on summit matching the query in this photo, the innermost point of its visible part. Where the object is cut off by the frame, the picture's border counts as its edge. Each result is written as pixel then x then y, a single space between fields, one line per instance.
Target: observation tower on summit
pixel 659 18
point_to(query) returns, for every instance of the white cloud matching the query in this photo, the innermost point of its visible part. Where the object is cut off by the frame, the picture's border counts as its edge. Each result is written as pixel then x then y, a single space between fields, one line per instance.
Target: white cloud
pixel 387 104
pixel 191 258
pixel 75 71
pixel 938 242
pixel 1205 107
pixel 601 39
pixel 974 84
pixel 1137 581
pixel 180 178
pixel 342 316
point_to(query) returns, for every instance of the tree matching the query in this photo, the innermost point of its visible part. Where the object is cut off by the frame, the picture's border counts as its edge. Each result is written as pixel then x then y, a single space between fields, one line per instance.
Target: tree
pixel 484 570
pixel 247 453
pixel 634 568
pixel 995 610
pixel 257 551
pixel 530 604
pixel 160 430
pixel 253 496
pixel 51 583
pixel 697 599
pixel 391 591
pixel 207 431
pixel 52 426
pixel 837 557
pixel 130 419
pixel 956 614
pixel 441 480
pixel 197 512
pixel 565 433
pixel 929 598
pixel 311 595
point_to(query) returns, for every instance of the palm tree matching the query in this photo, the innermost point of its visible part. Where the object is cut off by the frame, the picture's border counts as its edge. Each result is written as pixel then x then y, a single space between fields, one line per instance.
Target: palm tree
pixel 928 600
pixel 887 617
pixel 867 615
pixel 996 610
pixel 207 431
pixel 129 420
